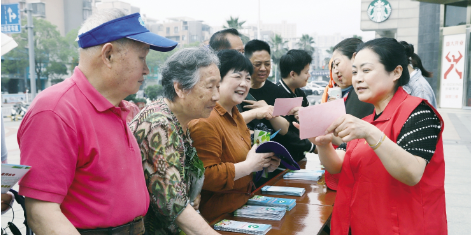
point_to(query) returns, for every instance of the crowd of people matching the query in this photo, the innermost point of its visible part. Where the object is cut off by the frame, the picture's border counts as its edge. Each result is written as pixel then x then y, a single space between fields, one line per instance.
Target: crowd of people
pixel 95 172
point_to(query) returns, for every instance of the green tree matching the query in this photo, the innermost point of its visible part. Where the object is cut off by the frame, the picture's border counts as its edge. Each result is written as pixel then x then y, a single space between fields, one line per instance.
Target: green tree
pixel 358 37
pixel 278 49
pixel 156 59
pixel 236 24
pixel 71 50
pixel 130 97
pixel 153 91
pixel 305 43
pixel 330 50
pixel 48 47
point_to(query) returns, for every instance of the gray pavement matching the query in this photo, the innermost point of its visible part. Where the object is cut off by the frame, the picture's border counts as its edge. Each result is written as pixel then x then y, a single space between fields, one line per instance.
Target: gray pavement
pixel 457 148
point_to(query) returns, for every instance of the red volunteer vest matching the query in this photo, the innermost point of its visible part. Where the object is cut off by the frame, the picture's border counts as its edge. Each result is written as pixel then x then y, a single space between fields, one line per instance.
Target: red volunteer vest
pixel 370 201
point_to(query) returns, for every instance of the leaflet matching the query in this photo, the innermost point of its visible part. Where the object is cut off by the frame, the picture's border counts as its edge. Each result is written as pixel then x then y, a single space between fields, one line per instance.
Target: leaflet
pixel 242 227
pixel 279 190
pixel 304 174
pixel 259 200
pixel 11 174
pixel 261 212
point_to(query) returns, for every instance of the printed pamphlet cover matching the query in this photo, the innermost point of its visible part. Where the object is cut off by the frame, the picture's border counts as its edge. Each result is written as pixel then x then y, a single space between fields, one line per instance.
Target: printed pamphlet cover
pixel 242 227
pixel 280 190
pixel 261 212
pixel 259 200
pixel 304 174
pixel 11 174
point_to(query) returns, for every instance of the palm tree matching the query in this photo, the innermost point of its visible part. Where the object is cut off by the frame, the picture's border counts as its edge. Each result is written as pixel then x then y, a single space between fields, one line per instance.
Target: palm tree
pixel 305 43
pixel 358 37
pixel 233 23
pixel 330 50
pixel 278 49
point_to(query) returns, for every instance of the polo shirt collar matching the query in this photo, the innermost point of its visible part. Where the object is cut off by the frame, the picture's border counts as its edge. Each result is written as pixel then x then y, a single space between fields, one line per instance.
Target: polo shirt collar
pixel 95 98
pixel 284 85
pixel 220 110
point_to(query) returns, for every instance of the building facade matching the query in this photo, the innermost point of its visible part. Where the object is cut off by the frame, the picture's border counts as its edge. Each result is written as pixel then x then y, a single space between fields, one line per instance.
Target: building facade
pixel 424 24
pixel 183 30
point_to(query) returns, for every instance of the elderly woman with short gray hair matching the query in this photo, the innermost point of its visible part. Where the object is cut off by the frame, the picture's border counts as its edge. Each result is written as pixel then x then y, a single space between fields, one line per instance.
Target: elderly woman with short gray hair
pixel 190 80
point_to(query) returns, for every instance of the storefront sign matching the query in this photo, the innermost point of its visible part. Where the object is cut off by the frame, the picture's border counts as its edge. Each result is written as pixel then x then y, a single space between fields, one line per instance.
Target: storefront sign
pixel 379 10
pixel 453 65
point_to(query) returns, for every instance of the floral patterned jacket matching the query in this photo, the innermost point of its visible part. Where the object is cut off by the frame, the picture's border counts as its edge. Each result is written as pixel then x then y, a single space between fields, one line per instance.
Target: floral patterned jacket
pixel 165 151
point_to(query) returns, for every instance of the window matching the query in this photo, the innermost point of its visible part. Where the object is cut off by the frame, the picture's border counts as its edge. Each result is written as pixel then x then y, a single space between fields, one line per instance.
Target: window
pixel 160 28
pixel 86 13
pixel 168 30
pixel 176 30
pixel 455 14
pixel 175 38
pixel 183 37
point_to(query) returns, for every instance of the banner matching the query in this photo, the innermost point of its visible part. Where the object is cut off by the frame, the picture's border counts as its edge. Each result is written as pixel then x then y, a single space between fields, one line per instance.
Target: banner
pixel 453 68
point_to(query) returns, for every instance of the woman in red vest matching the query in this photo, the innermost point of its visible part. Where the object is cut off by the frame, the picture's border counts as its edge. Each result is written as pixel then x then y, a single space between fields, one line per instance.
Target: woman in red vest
pixel 392 164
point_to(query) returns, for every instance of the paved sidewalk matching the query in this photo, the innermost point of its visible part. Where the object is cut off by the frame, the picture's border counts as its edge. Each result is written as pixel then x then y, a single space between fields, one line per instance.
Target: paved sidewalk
pixel 457 148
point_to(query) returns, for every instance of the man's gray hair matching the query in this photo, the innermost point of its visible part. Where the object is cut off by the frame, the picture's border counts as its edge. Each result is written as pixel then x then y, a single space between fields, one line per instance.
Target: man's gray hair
pixel 98 18
pixel 184 68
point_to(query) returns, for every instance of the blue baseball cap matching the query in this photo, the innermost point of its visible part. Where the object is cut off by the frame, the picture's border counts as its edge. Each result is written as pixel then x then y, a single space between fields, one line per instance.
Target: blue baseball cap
pixel 130 26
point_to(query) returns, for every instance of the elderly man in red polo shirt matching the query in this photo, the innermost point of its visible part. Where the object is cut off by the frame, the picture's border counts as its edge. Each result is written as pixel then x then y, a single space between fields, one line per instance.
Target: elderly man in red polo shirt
pixel 86 174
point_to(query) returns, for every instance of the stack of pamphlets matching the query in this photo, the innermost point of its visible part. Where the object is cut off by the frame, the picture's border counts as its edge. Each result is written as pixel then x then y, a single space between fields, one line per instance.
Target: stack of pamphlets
pixel 261 212
pixel 242 227
pixel 259 200
pixel 279 190
pixel 304 174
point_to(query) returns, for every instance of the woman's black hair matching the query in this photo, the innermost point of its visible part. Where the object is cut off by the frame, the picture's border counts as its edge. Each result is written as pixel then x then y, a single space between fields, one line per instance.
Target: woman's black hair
pixel 348 46
pixel 414 59
pixel 391 54
pixel 231 59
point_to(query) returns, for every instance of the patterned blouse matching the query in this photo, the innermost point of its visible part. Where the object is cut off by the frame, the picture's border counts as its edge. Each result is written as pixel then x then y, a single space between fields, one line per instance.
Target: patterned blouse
pixel 165 152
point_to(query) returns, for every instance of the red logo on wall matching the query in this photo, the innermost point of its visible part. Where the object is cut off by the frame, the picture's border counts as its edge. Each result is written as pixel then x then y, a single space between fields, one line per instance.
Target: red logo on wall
pixel 453 61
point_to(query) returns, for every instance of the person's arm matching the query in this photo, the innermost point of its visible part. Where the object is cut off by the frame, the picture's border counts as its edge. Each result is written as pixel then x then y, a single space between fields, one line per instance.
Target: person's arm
pixel 259 113
pixel 47 218
pixel 400 164
pixel 279 123
pixel 330 158
pixel 53 169
pixel 220 175
pixel 192 223
pixel 7 201
pixel 170 208
pixel 254 162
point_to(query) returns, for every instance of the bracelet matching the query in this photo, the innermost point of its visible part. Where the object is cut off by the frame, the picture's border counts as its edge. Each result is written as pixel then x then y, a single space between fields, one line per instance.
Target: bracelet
pixel 381 139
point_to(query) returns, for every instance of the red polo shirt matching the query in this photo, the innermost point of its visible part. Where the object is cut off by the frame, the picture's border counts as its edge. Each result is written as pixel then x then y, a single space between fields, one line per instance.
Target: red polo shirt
pixel 83 156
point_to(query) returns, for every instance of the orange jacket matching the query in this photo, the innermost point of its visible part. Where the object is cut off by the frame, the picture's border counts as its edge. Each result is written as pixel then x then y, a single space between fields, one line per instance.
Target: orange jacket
pixel 330 83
